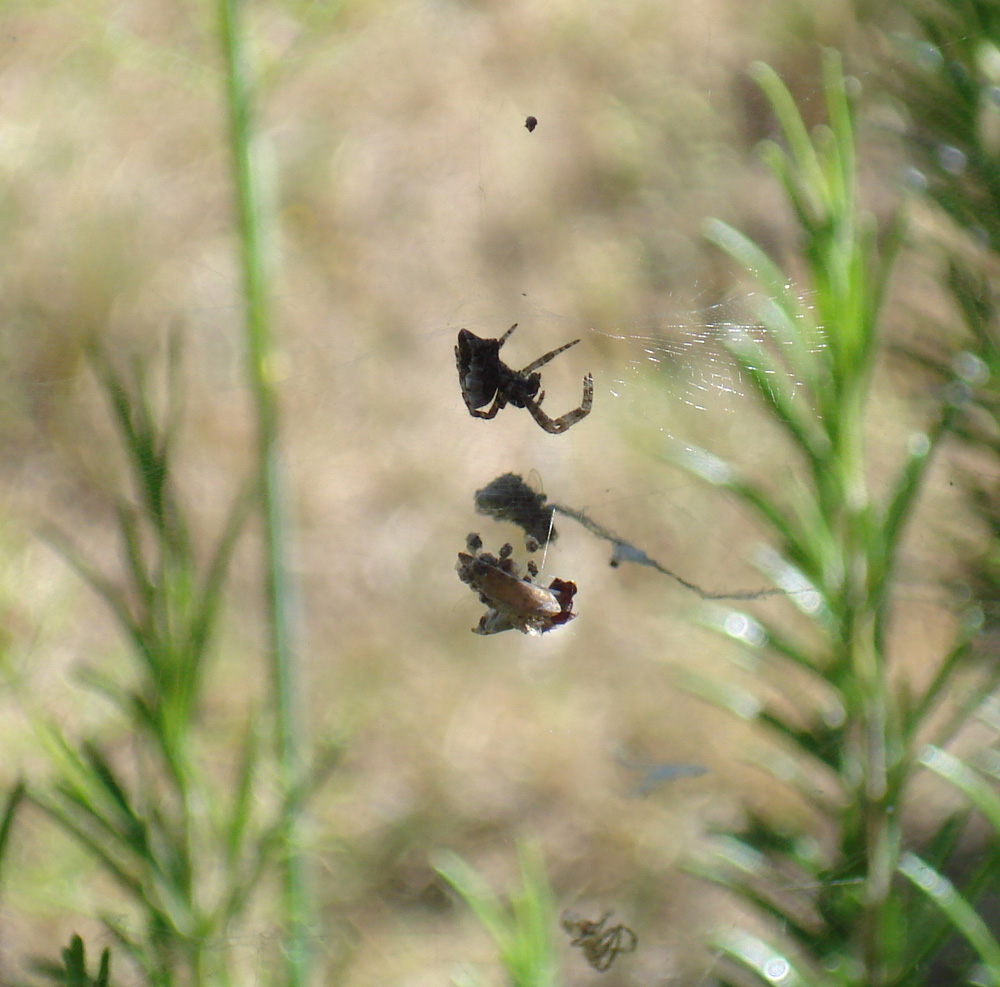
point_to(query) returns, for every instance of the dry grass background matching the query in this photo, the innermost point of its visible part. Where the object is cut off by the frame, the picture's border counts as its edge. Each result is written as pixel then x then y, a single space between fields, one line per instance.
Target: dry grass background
pixel 411 202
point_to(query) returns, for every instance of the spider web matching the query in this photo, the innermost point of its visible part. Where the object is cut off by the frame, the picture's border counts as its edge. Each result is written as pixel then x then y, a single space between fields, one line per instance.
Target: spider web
pixel 683 363
pixel 691 351
pixel 649 363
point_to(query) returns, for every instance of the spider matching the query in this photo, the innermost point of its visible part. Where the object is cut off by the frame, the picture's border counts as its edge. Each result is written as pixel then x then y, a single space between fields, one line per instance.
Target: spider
pixel 484 377
pixel 600 946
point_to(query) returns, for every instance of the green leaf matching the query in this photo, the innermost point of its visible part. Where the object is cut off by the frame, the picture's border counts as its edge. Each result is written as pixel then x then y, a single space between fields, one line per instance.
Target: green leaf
pixel 11 804
pixel 765 378
pixel 726 695
pixel 961 914
pixel 968 781
pixel 210 598
pixel 784 315
pixel 104 588
pixel 136 566
pixel 812 192
pixel 476 893
pixel 522 930
pixel 768 963
pixel 239 816
pixel 908 485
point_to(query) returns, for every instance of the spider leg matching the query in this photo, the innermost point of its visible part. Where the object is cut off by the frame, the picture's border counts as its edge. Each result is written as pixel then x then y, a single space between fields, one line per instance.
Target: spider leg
pixel 556 425
pixel 542 360
pixel 492 413
pixel 503 338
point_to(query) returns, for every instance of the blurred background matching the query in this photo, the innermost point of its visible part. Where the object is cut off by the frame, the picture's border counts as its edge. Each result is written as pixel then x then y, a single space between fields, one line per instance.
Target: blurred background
pixel 412 201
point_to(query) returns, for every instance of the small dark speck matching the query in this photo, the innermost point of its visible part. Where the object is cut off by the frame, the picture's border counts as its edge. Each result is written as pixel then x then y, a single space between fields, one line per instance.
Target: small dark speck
pixel 531 123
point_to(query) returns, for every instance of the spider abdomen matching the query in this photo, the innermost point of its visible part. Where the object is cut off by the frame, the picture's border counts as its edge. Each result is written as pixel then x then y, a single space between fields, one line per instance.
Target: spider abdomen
pixel 476 360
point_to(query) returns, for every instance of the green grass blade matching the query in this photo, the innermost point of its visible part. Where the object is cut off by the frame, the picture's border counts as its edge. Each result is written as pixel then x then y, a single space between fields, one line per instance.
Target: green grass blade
pixel 716 471
pixel 967 780
pixel 797 423
pixel 907 487
pixel 783 314
pixel 769 964
pixel 841 147
pixel 937 691
pixel 68 821
pixel 238 819
pixel 210 597
pixel 136 426
pixel 813 185
pixel 135 563
pixel 103 781
pixel 820 744
pixel 893 239
pixel 522 930
pixel 532 960
pixel 11 804
pixel 107 591
pixel 741 702
pixel 960 913
pixel 476 893
pixel 103 978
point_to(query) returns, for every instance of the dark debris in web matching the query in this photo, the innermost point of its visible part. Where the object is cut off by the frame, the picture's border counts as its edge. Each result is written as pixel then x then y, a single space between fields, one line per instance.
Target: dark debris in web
pixel 510 498
pixel 653 774
pixel 599 942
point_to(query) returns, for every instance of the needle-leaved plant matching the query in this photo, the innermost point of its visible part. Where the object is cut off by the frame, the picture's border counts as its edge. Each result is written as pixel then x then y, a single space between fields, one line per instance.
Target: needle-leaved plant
pixel 855 899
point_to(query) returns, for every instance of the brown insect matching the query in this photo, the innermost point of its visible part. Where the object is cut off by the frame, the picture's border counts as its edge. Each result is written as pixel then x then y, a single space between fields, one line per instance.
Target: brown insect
pixel 513 601
pixel 600 945
pixel 531 123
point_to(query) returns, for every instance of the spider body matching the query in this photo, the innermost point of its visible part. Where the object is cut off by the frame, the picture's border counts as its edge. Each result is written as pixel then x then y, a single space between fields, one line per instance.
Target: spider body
pixel 485 378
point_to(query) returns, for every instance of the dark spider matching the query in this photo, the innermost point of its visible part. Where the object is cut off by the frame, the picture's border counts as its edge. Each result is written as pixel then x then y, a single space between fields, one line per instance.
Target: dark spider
pixel 531 123
pixel 484 377
pixel 600 946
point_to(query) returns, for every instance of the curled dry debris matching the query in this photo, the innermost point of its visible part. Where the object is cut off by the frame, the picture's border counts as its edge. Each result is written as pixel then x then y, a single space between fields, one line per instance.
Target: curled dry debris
pixel 600 943
pixel 512 600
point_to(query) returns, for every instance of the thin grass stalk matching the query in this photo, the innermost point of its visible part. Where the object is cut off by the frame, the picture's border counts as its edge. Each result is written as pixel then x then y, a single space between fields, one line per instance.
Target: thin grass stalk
pixel 280 596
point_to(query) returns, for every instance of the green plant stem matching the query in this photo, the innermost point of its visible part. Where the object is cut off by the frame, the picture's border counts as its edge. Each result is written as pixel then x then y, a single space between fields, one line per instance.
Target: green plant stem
pixel 876 727
pixel 279 590
pixel 862 601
